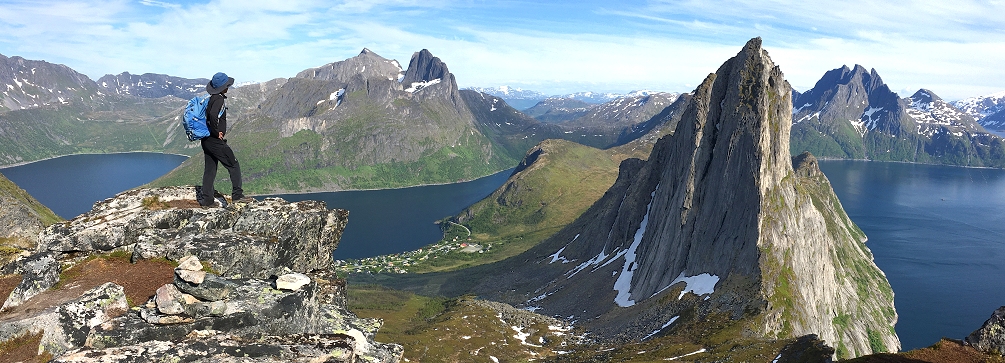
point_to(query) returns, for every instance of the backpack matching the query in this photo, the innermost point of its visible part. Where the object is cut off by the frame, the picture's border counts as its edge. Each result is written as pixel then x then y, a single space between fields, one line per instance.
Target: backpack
pixel 194 118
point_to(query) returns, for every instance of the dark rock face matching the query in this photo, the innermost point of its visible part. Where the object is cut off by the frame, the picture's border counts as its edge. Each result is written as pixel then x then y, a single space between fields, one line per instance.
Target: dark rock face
pixel 716 221
pixel 424 67
pixel 990 338
pixel 151 85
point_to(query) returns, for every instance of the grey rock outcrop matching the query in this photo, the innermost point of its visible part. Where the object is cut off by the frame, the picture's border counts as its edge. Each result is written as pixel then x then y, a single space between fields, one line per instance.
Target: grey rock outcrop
pixel 990 338
pixel 257 239
pixel 250 310
pixel 67 326
pixel 716 221
pixel 39 272
pixel 226 302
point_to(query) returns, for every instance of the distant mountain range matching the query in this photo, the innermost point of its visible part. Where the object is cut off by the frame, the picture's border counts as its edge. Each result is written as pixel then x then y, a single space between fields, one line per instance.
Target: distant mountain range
pixel 524 99
pixel 851 113
pixel 989 110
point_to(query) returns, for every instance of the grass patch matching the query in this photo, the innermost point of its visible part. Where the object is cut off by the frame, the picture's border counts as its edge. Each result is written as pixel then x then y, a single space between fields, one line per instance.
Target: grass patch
pixel 23 348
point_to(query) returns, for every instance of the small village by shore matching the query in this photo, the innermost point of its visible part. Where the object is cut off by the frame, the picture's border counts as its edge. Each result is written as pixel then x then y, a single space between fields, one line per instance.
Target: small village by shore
pixel 405 262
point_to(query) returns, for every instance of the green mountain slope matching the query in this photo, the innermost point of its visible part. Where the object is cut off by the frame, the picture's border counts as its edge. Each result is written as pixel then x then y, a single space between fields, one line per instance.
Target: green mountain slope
pixel 337 127
pixel 21 218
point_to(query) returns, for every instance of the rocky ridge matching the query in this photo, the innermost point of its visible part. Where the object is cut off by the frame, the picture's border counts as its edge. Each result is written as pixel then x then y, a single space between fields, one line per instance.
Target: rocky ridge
pixel 719 221
pixel 252 285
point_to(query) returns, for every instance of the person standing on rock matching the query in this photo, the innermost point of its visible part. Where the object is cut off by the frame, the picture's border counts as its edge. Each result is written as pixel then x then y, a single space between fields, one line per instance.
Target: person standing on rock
pixel 215 146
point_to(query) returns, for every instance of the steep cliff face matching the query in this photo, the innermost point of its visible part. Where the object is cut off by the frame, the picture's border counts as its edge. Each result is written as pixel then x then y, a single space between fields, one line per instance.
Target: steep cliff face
pixel 717 221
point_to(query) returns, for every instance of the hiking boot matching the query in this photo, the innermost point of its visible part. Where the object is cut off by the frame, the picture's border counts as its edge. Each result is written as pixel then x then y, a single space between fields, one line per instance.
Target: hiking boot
pixel 242 199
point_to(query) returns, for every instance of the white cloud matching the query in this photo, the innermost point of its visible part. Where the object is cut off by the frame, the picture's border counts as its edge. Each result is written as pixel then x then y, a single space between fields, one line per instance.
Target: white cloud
pixel 955 48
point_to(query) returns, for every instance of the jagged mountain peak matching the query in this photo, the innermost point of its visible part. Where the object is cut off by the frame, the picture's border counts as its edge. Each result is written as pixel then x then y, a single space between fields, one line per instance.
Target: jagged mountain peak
pixel 717 221
pixel 424 68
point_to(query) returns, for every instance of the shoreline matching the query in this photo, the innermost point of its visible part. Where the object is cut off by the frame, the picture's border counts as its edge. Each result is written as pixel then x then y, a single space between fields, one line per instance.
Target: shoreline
pixel 909 162
pixel 109 153
pixel 373 189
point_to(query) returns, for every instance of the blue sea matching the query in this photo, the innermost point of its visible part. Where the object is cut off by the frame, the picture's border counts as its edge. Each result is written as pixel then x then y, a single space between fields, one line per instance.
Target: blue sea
pixel 938 232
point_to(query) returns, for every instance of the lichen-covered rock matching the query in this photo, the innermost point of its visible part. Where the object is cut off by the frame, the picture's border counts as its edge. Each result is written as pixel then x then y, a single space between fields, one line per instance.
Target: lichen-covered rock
pixel 169 300
pixel 252 311
pixel 257 239
pixel 66 326
pixel 225 303
pixel 990 337
pixel 210 346
pixel 212 287
pixel 39 272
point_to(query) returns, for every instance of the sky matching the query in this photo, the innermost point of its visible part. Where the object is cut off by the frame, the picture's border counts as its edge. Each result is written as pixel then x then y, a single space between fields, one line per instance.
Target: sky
pixel 954 48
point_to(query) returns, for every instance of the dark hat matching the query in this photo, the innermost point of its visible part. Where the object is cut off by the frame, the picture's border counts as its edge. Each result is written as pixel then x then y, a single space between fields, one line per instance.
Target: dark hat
pixel 219 83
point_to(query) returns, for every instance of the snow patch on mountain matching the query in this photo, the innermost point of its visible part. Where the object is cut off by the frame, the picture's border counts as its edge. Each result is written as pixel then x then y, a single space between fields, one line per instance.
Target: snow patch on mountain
pixel 420 85
pixel 624 283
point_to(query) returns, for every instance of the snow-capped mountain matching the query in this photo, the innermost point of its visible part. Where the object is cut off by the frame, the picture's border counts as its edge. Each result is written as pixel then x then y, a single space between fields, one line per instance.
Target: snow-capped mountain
pixel 32 84
pixel 852 113
pixel 984 108
pixel 519 99
pixel 150 85
pixel 932 115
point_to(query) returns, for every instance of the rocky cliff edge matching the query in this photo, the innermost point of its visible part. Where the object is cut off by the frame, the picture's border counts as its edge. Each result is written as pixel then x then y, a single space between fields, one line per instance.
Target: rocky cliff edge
pixel 252 284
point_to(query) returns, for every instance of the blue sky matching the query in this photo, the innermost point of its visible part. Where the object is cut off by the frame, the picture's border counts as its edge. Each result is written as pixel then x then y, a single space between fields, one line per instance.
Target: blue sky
pixel 955 48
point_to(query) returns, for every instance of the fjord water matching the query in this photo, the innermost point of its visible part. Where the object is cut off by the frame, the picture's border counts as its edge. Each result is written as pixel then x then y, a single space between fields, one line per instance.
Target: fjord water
pixel 938 232
pixel 391 221
pixel 69 185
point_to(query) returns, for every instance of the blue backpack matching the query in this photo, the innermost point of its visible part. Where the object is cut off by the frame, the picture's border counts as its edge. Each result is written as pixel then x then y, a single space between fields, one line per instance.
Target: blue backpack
pixel 194 119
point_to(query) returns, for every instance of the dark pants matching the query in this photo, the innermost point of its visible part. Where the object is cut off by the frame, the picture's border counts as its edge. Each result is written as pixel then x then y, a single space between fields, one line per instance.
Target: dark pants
pixel 217 151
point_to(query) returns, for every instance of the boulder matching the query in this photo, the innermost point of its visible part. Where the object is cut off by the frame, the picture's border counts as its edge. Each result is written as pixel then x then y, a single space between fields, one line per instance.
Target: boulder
pixel 169 300
pixel 189 263
pixel 39 272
